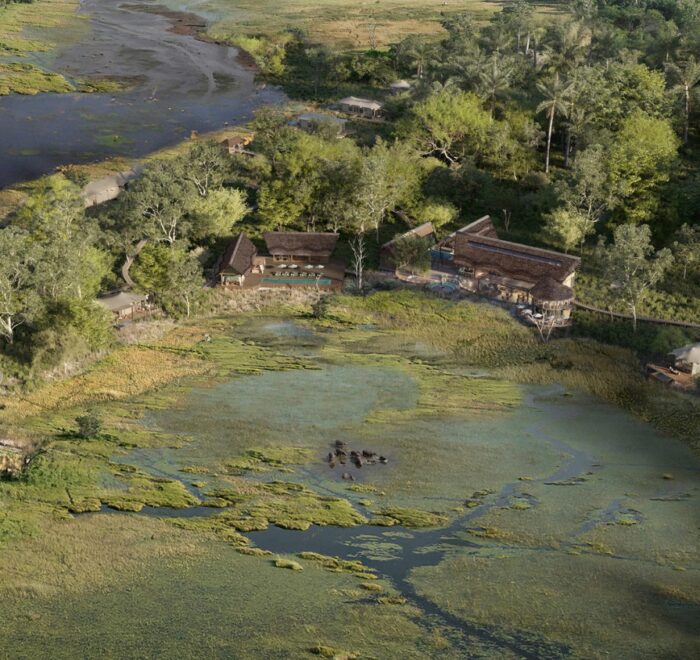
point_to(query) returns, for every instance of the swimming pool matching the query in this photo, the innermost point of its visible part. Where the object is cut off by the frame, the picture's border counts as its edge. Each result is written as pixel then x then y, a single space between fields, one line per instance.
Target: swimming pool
pixel 307 281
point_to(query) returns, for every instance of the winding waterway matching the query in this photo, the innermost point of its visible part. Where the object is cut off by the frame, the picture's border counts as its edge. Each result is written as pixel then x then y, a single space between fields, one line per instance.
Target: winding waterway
pixel 180 84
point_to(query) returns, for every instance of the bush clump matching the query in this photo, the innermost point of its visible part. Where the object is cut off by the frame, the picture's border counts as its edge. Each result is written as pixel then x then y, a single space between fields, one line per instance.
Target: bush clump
pixel 89 426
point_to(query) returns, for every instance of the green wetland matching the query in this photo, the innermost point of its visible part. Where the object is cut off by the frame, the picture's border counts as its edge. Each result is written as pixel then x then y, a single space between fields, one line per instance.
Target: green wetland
pixel 518 514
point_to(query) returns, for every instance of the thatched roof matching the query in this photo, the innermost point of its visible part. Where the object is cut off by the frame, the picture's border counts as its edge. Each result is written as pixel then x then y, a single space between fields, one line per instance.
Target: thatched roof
pixel 121 300
pixel 421 231
pixel 300 243
pixel 238 256
pixel 355 102
pixel 549 290
pixel 400 84
pixel 482 227
pixel 512 260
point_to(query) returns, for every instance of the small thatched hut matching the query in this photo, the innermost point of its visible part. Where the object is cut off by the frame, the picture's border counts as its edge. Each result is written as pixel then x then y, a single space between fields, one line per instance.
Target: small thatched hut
pixel 551 296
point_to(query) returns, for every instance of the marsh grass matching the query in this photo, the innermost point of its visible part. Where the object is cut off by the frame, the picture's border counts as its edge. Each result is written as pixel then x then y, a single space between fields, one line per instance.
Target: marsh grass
pixel 36 30
pixel 483 335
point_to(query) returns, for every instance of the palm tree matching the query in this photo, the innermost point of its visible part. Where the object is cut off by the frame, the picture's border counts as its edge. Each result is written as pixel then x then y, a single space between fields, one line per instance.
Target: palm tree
pixel 686 78
pixel 556 100
pixel 568 46
pixel 494 83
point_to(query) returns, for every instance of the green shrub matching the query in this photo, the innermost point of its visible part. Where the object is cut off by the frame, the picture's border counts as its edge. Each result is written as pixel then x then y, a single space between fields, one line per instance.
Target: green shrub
pixel 89 426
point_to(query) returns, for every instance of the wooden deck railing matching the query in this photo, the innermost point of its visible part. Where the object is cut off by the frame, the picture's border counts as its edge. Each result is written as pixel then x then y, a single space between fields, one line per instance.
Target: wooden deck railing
pixel 629 317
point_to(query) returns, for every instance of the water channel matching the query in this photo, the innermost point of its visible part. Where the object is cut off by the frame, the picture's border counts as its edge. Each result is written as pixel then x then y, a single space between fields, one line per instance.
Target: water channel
pixel 178 84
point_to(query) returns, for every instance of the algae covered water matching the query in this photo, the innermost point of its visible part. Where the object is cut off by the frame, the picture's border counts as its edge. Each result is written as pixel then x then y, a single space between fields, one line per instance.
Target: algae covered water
pixel 508 521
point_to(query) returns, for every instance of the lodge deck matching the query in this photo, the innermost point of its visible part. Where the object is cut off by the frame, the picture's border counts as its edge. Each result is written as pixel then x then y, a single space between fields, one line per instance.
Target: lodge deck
pixel 291 274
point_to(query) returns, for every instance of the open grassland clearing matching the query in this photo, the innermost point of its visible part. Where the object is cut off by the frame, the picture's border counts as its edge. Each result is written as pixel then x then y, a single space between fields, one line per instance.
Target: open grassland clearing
pixel 338 24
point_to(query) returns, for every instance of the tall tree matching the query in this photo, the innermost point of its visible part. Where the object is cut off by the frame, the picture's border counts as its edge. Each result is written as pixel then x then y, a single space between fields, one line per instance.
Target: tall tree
pixel 685 78
pixel 556 95
pixel 632 267
pixel 450 124
pixel 639 161
pixel 686 250
pixel 494 83
pixel 19 301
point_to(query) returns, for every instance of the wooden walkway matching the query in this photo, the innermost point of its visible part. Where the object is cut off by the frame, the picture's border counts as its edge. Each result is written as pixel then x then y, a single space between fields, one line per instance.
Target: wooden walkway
pixel 628 317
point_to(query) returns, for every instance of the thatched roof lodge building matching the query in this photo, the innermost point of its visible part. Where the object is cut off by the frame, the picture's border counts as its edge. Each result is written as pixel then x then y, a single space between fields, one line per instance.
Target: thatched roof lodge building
pixel 511 272
pixel 366 108
pixel 292 259
pixel 238 261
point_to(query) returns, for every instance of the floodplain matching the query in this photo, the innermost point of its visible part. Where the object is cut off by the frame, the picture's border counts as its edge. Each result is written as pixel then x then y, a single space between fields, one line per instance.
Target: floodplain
pixel 509 519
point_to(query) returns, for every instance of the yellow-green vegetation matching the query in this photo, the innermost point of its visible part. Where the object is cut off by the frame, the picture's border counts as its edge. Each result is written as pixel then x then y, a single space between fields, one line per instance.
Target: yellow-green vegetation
pixel 25 78
pixel 286 505
pixel 337 565
pixel 292 565
pixel 35 30
pixel 335 22
pixel 412 517
pixel 227 416
pixel 615 610
pixel 135 570
pixel 269 458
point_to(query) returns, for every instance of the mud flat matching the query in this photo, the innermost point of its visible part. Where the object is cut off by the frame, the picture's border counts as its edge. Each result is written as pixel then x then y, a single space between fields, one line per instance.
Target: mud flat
pixel 179 83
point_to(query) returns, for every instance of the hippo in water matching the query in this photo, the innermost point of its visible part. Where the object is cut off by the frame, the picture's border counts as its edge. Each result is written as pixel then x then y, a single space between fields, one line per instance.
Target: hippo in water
pixel 383 459
pixel 348 477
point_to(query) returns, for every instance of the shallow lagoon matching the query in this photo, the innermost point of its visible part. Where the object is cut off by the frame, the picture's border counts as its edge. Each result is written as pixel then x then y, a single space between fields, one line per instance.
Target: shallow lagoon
pixel 571 527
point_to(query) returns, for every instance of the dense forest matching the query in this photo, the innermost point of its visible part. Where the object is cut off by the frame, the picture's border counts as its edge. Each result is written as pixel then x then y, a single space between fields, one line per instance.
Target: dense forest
pixel 576 129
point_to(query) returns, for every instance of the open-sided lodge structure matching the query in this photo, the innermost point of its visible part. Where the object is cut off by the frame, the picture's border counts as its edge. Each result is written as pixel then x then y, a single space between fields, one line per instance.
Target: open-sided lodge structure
pixel 292 259
pixel 125 305
pixel 687 358
pixel 511 272
pixel 361 107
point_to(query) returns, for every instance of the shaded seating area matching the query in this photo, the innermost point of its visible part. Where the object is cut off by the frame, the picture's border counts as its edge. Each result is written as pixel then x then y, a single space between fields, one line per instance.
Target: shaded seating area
pixel 366 108
pixel 125 305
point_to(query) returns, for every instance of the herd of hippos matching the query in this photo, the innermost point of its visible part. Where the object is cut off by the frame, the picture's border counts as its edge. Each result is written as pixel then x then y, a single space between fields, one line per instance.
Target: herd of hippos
pixel 341 455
